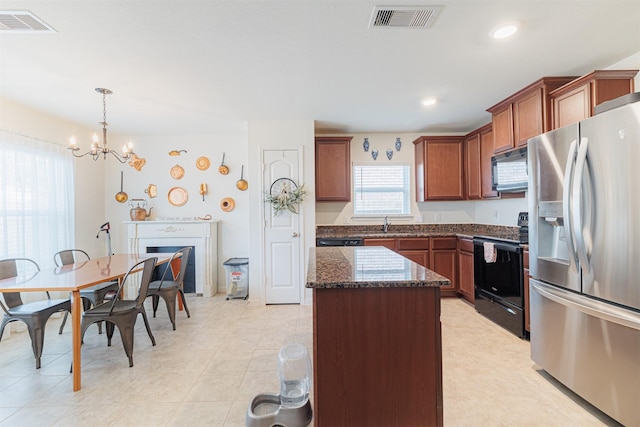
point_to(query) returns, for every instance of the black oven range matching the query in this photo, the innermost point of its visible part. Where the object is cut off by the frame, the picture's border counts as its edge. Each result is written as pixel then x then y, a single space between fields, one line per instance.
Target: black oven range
pixel 499 282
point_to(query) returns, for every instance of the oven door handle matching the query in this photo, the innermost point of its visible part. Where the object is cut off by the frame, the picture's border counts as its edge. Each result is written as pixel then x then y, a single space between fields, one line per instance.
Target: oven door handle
pixel 499 245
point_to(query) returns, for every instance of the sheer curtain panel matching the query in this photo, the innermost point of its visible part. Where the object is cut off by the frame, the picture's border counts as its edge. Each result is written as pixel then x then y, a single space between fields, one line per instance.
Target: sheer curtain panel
pixel 36 198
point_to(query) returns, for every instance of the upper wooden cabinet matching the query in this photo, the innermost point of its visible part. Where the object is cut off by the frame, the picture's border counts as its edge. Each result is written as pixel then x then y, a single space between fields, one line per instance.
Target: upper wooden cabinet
pixel 486 152
pixel 333 168
pixel 525 114
pixel 439 168
pixel 576 100
pixel 473 175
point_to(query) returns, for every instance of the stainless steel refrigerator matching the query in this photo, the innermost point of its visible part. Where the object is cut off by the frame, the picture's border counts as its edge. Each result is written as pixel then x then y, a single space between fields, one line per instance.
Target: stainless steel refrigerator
pixel 584 242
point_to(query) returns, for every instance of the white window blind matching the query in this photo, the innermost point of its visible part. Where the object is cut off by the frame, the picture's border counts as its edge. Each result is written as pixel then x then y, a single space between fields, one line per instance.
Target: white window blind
pixel 36 198
pixel 381 190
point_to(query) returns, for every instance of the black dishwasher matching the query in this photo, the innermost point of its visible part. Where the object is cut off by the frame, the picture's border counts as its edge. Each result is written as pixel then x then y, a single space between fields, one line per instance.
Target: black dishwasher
pixel 333 241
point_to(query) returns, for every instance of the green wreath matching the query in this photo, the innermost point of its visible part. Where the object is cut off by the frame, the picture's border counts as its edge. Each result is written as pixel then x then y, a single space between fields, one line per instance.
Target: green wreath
pixel 285 194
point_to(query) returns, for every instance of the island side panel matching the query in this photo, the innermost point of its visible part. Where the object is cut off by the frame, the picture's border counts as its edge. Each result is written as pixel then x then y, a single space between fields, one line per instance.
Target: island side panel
pixel 377 357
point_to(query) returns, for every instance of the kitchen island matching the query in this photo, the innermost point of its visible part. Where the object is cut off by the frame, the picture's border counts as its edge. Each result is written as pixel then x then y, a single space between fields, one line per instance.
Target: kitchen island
pixel 377 353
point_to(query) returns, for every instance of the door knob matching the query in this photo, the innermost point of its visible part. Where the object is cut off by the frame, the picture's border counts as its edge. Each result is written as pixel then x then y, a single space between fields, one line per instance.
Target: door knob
pixel 294 234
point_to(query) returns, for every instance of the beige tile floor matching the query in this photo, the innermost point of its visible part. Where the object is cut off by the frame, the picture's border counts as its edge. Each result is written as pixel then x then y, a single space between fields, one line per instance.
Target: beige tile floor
pixel 206 372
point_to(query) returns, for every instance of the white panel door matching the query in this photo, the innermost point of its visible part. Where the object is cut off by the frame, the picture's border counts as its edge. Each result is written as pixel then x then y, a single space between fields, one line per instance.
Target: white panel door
pixel 282 234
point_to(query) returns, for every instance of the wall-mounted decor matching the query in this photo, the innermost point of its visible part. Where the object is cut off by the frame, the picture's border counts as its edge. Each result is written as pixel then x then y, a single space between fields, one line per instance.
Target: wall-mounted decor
pixel 398 144
pixel 138 211
pixel 389 153
pixel 365 145
pixel 178 196
pixel 227 204
pixel 285 194
pixel 121 196
pixel 176 152
pixel 223 169
pixel 203 190
pixel 374 154
pixel 151 190
pixel 177 172
pixel 137 162
pixel 242 184
pixel 202 163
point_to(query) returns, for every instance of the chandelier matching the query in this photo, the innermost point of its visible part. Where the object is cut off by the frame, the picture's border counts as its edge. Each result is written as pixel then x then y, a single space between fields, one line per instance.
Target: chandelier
pixel 96 147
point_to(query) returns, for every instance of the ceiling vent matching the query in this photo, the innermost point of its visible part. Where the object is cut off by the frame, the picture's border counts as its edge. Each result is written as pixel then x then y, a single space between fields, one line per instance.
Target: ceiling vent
pixel 404 16
pixel 22 22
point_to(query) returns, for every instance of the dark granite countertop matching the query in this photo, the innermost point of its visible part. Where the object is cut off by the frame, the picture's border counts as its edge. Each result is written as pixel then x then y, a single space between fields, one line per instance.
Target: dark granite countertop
pixel 418 230
pixel 366 267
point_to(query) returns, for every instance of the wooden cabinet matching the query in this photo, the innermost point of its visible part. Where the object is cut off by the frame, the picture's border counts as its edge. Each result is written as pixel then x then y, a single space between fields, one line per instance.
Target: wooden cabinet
pixel 525 264
pixel 486 152
pixel 444 261
pixel 472 170
pixel 387 243
pixel 416 249
pixel 577 99
pixel 377 358
pixel 333 168
pixel 525 114
pixel 439 168
pixel 465 269
pixel 438 254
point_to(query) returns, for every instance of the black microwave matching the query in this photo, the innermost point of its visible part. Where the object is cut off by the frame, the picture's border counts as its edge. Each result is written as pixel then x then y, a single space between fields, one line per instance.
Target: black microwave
pixel 509 171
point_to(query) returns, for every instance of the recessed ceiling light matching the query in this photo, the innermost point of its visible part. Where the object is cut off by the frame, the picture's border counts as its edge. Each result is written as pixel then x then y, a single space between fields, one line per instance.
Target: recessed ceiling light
pixel 429 101
pixel 505 30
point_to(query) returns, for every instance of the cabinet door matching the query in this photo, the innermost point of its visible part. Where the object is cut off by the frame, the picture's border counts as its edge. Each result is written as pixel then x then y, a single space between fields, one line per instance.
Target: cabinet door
pixel 571 107
pixel 418 256
pixel 444 170
pixel 333 169
pixel 502 125
pixel 527 117
pixel 465 269
pixel 486 152
pixel 444 262
pixel 473 178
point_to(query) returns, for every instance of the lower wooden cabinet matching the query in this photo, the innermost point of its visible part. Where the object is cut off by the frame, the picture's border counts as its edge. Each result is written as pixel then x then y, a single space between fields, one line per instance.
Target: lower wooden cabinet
pixel 438 254
pixel 465 269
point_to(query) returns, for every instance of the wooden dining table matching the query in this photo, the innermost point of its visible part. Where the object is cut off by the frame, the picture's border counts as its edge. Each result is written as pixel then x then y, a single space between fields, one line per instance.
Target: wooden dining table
pixel 73 278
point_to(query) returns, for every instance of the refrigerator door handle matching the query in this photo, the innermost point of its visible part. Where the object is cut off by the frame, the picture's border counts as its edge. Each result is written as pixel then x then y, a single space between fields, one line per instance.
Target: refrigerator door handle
pixel 576 195
pixel 566 200
pixel 588 306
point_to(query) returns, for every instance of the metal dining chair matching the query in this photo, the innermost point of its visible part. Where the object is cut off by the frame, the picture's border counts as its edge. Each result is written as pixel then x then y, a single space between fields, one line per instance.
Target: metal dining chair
pixel 123 313
pixel 93 295
pixel 33 314
pixel 168 287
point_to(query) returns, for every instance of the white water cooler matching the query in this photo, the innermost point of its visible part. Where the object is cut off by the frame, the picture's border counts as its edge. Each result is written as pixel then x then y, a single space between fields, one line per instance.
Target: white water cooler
pixel 290 408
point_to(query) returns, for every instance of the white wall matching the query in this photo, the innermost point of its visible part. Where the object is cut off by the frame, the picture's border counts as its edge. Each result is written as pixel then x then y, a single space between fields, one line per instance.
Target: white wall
pixel 233 235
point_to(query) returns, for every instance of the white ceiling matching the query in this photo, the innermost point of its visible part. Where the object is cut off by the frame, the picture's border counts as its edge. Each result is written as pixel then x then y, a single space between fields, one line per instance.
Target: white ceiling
pixel 206 66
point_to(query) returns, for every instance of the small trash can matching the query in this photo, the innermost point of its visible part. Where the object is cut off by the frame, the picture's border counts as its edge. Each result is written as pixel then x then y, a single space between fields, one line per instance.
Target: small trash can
pixel 237 273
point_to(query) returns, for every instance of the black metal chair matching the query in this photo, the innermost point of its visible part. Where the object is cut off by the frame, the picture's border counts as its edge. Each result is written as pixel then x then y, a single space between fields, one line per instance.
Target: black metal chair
pixel 33 314
pixel 93 295
pixel 123 313
pixel 169 287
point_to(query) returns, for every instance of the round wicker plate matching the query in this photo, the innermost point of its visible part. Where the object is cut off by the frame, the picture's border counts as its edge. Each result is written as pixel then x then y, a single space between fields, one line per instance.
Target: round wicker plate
pixel 203 163
pixel 178 196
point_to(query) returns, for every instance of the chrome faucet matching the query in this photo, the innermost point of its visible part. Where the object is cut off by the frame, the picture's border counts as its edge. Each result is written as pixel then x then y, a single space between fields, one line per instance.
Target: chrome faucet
pixel 386 224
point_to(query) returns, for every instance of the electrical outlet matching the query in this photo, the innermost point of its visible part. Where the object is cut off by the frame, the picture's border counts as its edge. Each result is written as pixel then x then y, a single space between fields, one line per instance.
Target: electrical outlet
pixel 437 216
pixel 494 214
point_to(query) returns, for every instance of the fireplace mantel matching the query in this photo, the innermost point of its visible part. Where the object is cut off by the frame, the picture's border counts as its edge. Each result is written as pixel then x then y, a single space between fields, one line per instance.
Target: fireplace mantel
pixel 201 234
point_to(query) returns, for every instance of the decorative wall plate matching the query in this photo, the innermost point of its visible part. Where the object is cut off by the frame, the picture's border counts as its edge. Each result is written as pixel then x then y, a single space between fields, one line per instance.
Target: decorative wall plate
pixel 227 204
pixel 203 163
pixel 178 196
pixel 177 172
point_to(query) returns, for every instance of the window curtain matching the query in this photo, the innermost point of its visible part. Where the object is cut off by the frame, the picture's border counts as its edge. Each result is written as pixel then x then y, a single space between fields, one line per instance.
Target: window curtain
pixel 36 198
